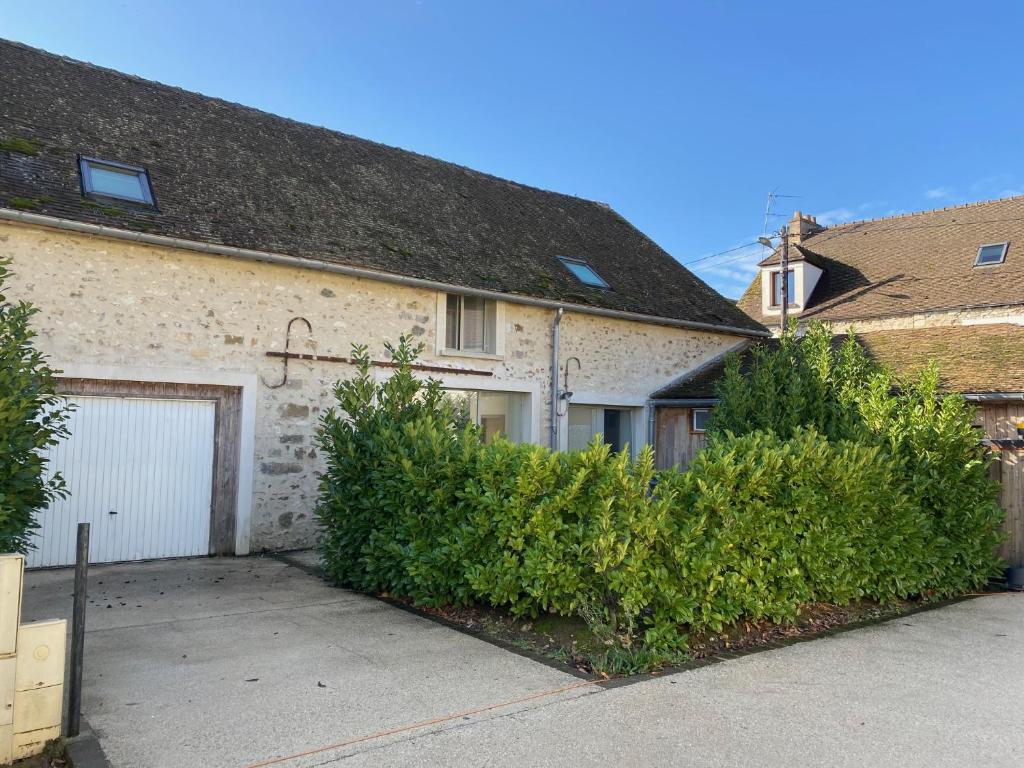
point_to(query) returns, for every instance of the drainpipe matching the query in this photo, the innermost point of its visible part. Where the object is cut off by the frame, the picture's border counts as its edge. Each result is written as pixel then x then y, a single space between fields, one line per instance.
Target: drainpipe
pixel 556 323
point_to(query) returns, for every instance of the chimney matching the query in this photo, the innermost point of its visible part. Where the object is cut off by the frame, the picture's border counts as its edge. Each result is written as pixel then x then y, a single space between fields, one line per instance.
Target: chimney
pixel 801 227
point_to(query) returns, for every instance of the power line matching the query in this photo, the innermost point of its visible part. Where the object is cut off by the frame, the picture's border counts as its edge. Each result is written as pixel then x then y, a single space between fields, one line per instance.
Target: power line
pixel 734 259
pixel 720 253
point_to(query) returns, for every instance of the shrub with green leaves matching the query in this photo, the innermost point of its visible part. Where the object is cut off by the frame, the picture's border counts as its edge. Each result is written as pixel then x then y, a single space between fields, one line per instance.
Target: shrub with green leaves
pixel 398 454
pixel 926 435
pixel 32 417
pixel 574 533
pixel 861 492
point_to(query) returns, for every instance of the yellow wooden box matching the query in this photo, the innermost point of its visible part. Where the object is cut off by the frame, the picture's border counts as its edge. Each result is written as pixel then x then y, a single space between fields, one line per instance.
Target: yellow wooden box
pixel 11 570
pixel 32 742
pixel 7 667
pixel 6 744
pixel 39 708
pixel 40 654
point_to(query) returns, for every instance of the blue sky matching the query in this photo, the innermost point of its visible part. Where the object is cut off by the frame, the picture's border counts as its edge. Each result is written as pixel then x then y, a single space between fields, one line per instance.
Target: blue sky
pixel 681 115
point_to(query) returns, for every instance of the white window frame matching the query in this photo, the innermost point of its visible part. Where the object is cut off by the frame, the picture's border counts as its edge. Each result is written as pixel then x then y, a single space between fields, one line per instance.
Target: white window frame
pixel 441 324
pixel 1002 256
pixel 776 275
pixel 693 420
pixel 86 165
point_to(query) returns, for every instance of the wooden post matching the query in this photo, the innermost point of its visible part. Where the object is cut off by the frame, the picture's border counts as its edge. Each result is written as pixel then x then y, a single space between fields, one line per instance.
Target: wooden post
pixel 784 276
pixel 78 631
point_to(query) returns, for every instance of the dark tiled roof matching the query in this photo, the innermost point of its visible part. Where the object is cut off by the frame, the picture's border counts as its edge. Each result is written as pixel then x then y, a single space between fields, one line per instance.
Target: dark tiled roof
pixel 700 383
pixel 979 359
pixel 230 175
pixel 919 262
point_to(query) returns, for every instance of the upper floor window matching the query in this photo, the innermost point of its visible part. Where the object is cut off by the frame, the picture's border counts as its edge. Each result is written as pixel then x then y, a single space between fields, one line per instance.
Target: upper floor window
pixel 470 324
pixel 777 288
pixel 991 254
pixel 109 179
pixel 583 272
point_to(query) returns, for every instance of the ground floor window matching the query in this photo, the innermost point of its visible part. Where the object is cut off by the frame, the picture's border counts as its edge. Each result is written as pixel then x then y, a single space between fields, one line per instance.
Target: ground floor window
pixel 701 416
pixel 505 413
pixel 616 424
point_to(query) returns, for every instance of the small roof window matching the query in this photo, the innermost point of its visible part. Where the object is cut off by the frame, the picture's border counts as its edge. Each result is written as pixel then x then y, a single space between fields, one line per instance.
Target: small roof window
pixel 583 272
pixel 991 254
pixel 109 179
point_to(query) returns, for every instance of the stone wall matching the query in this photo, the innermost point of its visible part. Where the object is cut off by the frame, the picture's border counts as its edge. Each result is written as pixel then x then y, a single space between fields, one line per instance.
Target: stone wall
pixel 969 316
pixel 107 302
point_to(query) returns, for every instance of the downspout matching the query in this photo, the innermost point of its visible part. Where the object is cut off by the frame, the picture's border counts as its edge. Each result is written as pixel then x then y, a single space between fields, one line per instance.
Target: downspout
pixel 555 325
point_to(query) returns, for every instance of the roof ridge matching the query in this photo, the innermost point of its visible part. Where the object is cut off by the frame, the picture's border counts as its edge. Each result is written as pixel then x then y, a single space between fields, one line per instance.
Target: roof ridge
pixel 892 217
pixel 292 120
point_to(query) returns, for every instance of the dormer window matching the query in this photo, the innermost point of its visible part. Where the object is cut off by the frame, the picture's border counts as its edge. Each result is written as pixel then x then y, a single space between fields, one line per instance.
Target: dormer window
pixel 106 178
pixel 992 254
pixel 777 288
pixel 583 272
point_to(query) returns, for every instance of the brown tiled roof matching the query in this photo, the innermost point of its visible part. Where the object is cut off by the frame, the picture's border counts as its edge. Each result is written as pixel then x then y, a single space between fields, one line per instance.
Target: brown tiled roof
pixel 972 359
pixel 230 175
pixel 908 264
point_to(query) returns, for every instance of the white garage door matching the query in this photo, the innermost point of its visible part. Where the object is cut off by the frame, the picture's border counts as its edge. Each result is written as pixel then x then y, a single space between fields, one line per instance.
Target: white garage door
pixel 140 470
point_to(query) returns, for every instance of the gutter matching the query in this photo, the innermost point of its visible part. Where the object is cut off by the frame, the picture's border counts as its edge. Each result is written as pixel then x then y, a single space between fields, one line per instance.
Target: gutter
pixel 693 402
pixel 988 397
pixel 25 217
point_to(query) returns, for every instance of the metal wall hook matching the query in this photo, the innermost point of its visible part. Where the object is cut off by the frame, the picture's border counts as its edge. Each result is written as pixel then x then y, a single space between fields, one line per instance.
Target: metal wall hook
pixel 566 393
pixel 287 342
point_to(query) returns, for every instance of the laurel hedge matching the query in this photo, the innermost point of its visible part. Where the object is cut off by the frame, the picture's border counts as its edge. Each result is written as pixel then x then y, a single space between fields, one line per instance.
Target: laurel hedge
pixel 412 503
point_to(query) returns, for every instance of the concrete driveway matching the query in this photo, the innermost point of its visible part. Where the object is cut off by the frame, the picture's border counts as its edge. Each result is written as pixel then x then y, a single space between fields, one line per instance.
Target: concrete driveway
pixel 237 662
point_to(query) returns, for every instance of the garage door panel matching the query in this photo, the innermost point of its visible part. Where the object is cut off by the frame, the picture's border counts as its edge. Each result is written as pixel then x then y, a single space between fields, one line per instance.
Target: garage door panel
pixel 140 470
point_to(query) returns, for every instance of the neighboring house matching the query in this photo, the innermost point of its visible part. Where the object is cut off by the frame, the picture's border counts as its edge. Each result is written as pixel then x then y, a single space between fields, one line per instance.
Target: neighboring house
pixel 944 285
pixel 203 268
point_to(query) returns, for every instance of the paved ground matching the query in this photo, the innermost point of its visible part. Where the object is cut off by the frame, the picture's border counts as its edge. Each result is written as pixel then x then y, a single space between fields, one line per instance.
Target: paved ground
pixel 232 662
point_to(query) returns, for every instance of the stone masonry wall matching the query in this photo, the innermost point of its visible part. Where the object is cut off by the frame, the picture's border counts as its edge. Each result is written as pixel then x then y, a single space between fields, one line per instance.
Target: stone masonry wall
pixel 108 302
pixel 974 316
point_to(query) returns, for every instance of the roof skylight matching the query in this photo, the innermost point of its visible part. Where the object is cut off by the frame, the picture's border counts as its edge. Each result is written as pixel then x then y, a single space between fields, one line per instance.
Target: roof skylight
pixel 994 253
pixel 109 179
pixel 583 272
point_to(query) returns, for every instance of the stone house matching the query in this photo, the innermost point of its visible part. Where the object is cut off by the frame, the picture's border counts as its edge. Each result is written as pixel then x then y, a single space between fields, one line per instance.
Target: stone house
pixel 203 269
pixel 944 285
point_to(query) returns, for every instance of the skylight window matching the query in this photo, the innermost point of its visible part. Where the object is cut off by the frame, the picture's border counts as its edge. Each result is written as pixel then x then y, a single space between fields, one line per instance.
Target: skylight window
pixel 991 254
pixel 109 179
pixel 583 272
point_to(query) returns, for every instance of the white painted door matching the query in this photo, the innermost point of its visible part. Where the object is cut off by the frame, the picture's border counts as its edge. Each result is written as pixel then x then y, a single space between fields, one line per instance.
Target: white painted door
pixel 140 470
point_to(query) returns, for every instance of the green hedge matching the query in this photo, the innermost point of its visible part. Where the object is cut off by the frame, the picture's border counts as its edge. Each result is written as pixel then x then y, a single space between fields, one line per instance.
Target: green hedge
pixel 413 504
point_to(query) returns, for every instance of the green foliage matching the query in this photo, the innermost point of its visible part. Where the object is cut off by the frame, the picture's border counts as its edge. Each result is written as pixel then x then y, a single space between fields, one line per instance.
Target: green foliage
pixel 32 417
pixel 397 458
pixel 20 145
pixel 803 382
pixel 926 437
pixel 770 524
pixel 23 203
pixel 831 507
